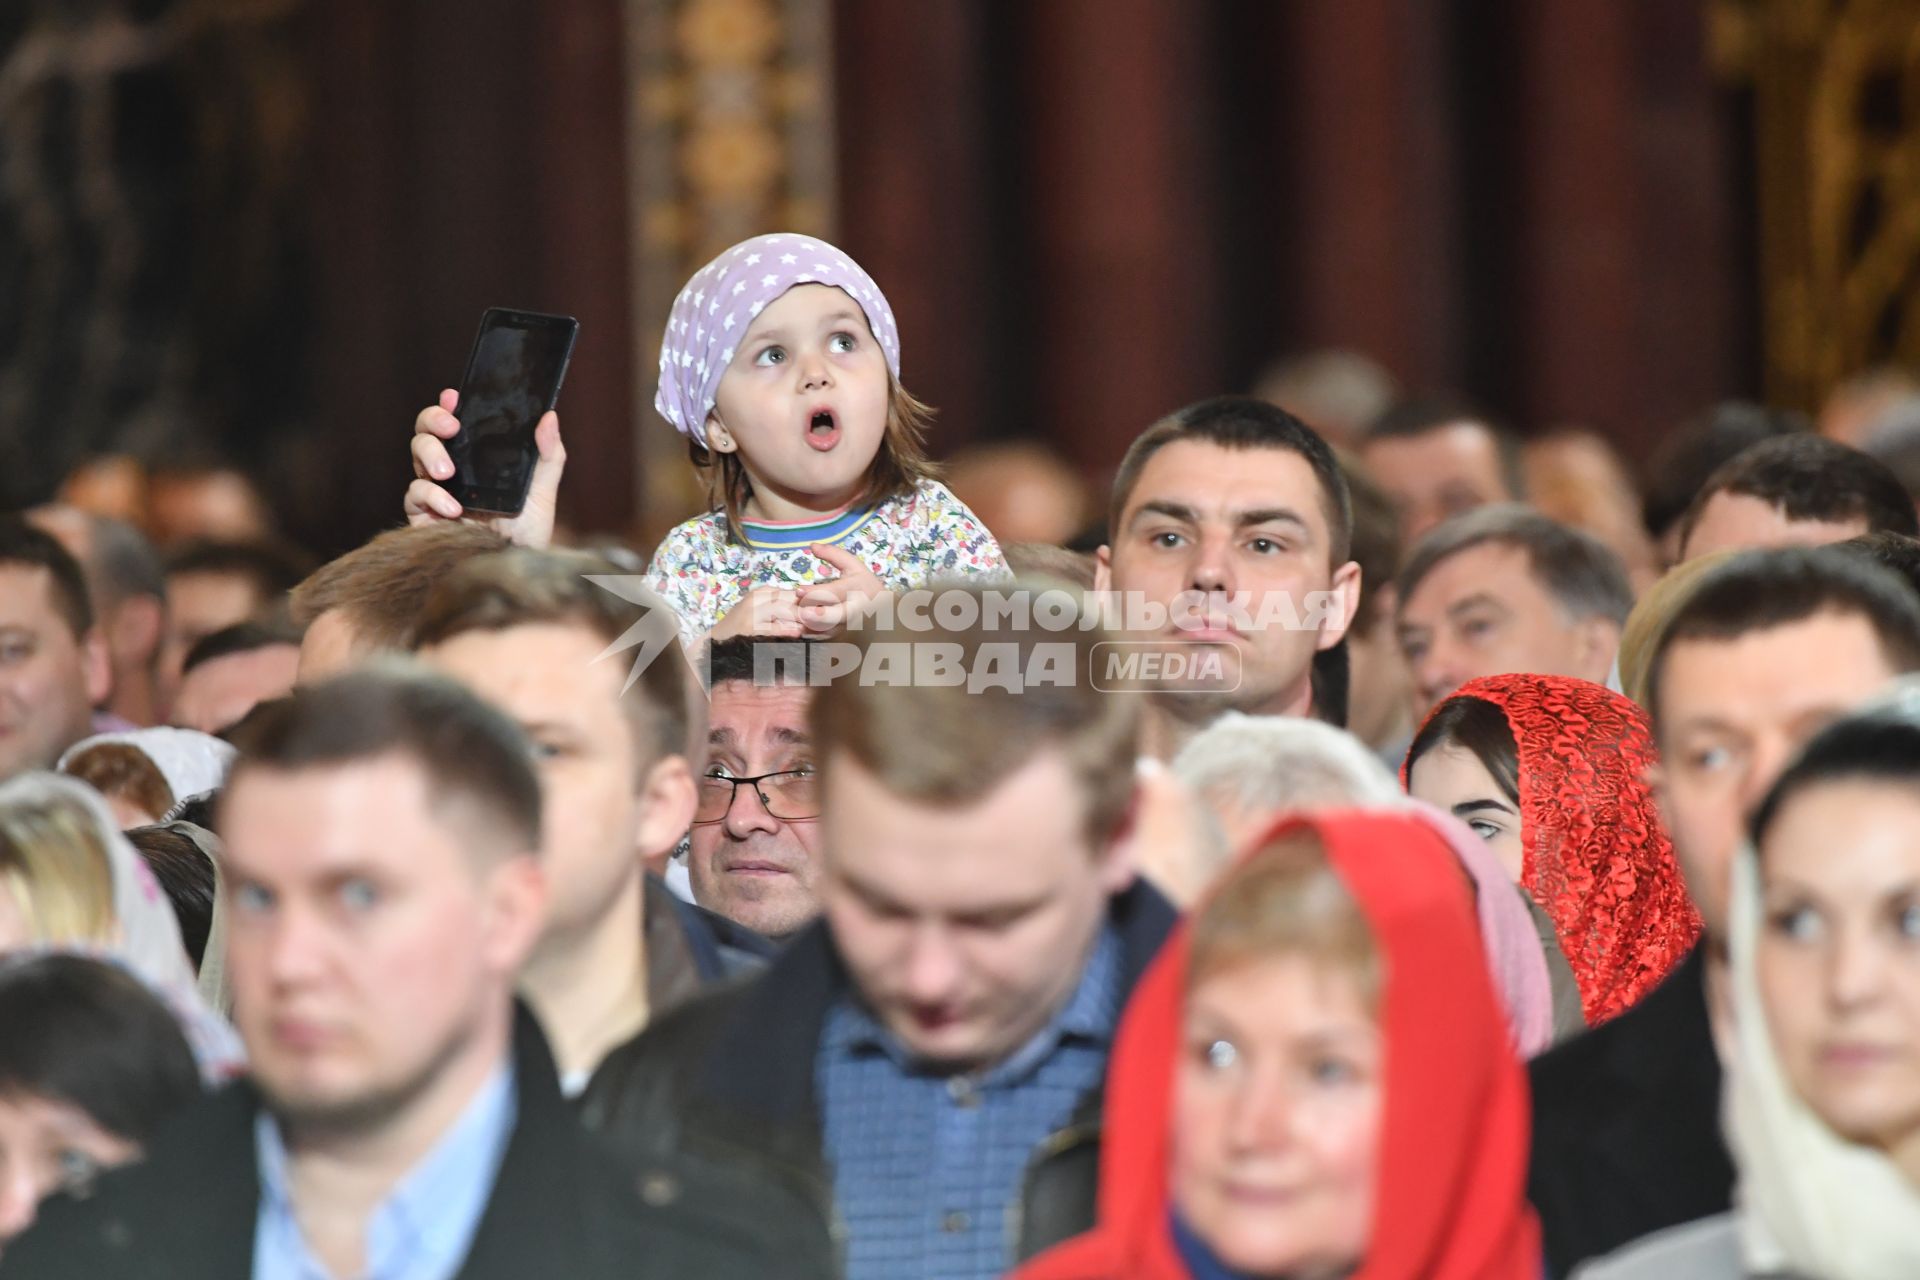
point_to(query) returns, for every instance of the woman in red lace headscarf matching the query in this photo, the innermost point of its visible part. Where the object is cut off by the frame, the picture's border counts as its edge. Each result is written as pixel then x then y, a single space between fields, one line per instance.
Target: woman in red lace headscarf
pixel 1551 771
pixel 1314 1077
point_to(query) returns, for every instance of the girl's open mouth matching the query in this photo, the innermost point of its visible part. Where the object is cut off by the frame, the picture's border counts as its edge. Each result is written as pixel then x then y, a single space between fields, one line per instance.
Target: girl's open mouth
pixel 822 431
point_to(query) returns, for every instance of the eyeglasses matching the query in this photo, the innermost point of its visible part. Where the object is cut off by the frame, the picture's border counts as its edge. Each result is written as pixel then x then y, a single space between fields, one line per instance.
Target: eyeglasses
pixel 790 795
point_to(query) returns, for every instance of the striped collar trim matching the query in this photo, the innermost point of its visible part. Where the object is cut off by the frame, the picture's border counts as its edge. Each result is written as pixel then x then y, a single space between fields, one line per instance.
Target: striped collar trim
pixel 802 534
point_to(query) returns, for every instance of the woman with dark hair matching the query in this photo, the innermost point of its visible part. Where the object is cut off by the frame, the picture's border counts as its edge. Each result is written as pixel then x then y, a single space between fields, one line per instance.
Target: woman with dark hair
pixel 1550 771
pixel 1314 1078
pixel 1820 1033
pixel 91 1063
pixel 185 874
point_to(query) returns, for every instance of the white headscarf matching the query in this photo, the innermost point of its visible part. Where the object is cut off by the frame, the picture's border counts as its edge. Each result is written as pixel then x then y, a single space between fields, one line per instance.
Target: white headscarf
pixel 214 987
pixel 1811 1202
pixel 149 940
pixel 192 762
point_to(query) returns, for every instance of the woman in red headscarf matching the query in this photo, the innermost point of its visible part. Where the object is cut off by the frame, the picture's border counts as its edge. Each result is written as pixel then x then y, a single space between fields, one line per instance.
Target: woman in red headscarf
pixel 1551 772
pixel 1315 1078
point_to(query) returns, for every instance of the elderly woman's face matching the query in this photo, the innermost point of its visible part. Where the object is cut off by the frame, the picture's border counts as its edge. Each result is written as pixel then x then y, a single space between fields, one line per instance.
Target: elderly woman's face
pixel 1839 958
pixel 1276 1127
pixel 45 1145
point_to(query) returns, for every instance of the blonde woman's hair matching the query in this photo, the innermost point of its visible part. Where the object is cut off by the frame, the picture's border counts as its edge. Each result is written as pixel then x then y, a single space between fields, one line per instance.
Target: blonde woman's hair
pixel 54 865
pixel 1640 637
pixel 1285 900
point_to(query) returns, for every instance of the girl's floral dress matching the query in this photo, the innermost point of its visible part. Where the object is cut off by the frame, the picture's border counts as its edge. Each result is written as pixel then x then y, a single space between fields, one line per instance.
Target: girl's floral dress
pixel 908 542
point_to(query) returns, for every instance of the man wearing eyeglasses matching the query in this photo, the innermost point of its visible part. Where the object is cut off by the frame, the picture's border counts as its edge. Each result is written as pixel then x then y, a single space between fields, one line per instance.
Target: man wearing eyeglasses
pixel 524 629
pixel 753 854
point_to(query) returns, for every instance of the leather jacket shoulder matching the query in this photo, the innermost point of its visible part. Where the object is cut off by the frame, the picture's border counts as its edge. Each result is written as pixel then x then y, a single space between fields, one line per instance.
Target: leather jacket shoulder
pixel 656 1102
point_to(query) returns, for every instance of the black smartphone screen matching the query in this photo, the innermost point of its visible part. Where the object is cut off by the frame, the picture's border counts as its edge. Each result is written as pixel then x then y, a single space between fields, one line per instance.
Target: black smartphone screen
pixel 513 377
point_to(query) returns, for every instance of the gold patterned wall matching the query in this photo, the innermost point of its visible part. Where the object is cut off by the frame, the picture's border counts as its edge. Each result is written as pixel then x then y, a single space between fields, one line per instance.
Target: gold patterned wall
pixel 731 135
pixel 1835 88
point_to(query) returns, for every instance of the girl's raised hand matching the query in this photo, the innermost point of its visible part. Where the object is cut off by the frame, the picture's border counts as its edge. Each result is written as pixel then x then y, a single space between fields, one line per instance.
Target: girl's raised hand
pixel 825 606
pixel 428 503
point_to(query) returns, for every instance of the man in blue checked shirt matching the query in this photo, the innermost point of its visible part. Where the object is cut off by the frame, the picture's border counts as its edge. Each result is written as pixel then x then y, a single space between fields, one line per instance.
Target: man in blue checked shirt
pixel 912 1089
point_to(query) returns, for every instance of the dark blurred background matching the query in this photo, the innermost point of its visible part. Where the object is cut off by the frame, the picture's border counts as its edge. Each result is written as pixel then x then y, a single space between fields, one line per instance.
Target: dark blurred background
pixel 264 230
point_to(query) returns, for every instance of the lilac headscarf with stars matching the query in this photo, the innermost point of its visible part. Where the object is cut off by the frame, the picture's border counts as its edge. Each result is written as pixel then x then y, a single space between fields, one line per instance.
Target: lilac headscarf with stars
pixel 713 312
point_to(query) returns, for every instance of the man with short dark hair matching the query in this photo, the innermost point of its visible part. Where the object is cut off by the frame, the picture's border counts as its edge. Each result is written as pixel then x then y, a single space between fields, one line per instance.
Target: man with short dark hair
pixel 53 663
pixel 1220 512
pixel 754 850
pixel 915 1080
pixel 215 585
pixel 1380 705
pixel 1771 646
pixel 1896 551
pixel 228 673
pixel 1504 589
pixel 403 1117
pixel 527 630
pixel 1795 491
pixel 1687 458
pixel 1438 457
pixel 128 592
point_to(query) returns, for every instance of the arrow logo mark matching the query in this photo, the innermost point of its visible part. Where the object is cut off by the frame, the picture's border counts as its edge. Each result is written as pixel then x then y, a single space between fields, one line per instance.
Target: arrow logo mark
pixel 656 627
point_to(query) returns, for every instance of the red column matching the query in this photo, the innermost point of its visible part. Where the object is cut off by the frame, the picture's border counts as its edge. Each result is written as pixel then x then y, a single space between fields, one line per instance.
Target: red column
pixel 1116 168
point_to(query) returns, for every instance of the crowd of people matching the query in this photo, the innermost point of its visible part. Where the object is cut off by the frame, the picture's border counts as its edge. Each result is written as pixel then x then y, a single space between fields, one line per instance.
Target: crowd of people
pixel 1369 843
